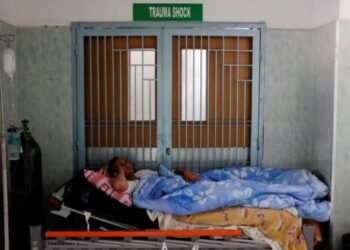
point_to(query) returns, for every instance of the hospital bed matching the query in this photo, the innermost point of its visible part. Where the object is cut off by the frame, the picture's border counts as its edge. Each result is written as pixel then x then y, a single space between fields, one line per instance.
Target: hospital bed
pixel 85 224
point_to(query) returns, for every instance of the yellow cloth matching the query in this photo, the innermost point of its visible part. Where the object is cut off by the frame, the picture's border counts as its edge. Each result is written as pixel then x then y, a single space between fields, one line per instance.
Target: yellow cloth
pixel 278 225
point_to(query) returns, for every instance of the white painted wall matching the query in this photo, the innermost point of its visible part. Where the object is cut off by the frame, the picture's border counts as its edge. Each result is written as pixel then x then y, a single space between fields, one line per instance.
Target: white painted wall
pixel 276 13
pixel 344 9
pixel 341 143
pixel 7 13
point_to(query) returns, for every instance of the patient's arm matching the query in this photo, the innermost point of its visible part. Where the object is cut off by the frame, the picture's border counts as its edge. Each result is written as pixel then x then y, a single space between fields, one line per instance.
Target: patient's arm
pixel 188 175
pixel 120 183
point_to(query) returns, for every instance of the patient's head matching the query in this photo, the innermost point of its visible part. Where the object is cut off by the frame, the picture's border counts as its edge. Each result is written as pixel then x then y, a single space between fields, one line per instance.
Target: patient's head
pixel 116 163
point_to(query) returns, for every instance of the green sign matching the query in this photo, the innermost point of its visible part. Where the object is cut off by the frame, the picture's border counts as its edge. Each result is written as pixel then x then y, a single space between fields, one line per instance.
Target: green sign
pixel 167 12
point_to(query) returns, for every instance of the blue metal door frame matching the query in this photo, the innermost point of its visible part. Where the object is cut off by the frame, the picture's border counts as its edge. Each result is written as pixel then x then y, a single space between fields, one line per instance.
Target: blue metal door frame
pixel 255 160
pixel 163 32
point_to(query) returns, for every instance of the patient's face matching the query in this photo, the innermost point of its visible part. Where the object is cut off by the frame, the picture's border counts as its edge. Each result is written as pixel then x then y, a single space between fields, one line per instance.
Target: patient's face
pixel 127 166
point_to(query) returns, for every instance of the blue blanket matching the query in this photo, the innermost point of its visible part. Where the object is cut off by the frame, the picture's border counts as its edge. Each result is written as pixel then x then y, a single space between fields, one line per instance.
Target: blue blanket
pixel 236 186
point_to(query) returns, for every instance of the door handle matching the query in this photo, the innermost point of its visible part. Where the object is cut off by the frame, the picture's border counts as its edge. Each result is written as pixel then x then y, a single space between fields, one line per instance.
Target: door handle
pixel 168 151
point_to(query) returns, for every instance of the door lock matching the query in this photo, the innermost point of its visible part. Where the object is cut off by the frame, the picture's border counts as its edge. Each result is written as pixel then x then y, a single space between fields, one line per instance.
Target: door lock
pixel 168 151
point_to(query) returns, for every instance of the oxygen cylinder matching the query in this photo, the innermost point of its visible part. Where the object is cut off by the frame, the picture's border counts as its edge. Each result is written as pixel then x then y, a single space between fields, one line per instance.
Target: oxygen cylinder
pixel 26 190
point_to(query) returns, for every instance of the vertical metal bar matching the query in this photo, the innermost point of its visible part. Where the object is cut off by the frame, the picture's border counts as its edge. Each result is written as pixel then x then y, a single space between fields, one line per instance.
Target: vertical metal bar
pixel 98 97
pixel 237 100
pixel 164 111
pixel 79 108
pixel 186 108
pixel 113 96
pixel 106 97
pixel 230 116
pixel 216 103
pixel 120 106
pixel 5 174
pixel 260 68
pixel 91 106
pixel 193 97
pixel 142 121
pixel 200 107
pixel 128 95
pixel 135 116
pixel 254 159
pixel 79 126
pixel 150 122
pixel 244 119
pixel 179 57
pixel 153 93
pixel 223 101
pixel 208 101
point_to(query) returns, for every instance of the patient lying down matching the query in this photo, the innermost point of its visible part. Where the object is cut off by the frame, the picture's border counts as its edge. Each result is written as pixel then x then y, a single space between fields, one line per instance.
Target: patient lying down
pixel 245 194
pixel 243 186
pixel 125 179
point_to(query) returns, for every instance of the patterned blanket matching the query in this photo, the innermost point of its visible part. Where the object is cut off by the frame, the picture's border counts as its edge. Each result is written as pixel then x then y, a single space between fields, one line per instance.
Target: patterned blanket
pixel 259 187
pixel 277 225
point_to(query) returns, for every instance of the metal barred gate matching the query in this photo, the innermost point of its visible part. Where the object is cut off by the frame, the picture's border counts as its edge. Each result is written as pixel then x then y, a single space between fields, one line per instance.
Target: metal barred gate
pixel 188 97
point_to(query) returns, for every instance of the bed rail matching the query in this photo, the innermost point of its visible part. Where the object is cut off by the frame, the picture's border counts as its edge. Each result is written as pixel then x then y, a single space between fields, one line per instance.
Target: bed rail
pixel 142 233
pixel 142 239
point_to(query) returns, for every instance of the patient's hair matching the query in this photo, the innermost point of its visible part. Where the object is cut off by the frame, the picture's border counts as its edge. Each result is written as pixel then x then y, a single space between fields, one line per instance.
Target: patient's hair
pixel 111 170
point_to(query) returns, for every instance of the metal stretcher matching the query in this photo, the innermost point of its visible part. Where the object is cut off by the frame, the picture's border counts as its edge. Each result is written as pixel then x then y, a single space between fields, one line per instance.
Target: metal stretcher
pixel 113 232
pixel 161 239
pixel 130 237
pixel 152 239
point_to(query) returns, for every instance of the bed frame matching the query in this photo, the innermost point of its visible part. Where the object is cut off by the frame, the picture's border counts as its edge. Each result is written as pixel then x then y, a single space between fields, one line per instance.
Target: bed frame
pixel 150 239
pixel 144 239
pixel 129 237
pixel 132 238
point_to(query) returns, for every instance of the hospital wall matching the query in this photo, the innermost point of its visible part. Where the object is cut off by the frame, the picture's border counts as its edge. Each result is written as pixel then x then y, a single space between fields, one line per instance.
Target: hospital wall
pixel 45 93
pixel 5 29
pixel 298 102
pixel 285 14
pixel 322 47
pixel 341 161
pixel 288 99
